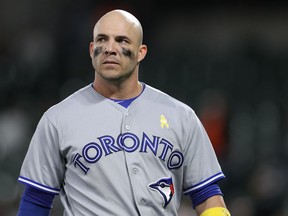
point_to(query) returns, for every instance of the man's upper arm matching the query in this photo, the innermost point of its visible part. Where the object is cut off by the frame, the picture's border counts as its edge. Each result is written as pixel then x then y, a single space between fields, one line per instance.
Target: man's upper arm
pixel 35 202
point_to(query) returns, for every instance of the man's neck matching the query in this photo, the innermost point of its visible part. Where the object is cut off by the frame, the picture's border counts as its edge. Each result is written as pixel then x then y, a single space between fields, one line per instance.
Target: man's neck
pixel 118 91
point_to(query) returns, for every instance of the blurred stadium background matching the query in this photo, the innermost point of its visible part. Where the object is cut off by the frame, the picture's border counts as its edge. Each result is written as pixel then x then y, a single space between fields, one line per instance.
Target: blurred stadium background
pixel 227 59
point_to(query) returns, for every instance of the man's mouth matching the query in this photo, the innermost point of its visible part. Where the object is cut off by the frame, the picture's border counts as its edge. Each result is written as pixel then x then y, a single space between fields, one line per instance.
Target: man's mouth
pixel 110 61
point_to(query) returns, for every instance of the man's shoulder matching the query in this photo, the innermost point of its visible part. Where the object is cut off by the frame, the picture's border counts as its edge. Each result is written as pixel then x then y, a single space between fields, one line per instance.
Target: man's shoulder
pixel 72 101
pixel 157 95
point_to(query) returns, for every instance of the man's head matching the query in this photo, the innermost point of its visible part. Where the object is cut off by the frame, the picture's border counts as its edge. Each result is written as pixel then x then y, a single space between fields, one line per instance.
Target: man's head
pixel 117 46
pixel 122 17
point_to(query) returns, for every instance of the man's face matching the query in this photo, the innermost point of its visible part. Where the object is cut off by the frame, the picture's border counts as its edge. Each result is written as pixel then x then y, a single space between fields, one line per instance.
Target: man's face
pixel 115 48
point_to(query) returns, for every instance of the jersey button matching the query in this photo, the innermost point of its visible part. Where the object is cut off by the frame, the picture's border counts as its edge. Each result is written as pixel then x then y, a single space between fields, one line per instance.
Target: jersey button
pixel 127 127
pixel 135 170
pixel 142 201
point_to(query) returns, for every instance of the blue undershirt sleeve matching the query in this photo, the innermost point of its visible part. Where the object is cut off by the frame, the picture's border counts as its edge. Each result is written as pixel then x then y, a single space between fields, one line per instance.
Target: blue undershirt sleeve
pixel 204 193
pixel 35 202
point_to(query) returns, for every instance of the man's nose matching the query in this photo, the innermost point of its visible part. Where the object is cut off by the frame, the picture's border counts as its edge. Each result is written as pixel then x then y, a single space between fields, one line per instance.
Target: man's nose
pixel 110 48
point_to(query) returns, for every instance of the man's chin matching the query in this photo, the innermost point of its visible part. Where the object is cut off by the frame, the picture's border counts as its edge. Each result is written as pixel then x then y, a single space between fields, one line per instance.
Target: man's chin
pixel 114 77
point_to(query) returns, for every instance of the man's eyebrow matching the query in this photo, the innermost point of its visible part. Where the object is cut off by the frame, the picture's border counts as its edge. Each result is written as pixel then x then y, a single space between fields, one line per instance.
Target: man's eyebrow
pixel 120 37
pixel 101 35
pixel 117 37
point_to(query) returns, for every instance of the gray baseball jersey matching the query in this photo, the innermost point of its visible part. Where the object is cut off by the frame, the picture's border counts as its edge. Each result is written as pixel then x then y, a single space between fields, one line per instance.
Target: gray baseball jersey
pixel 104 159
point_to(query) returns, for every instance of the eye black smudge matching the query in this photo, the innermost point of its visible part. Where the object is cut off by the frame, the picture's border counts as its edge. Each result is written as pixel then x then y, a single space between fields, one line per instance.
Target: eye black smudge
pixel 127 52
pixel 97 50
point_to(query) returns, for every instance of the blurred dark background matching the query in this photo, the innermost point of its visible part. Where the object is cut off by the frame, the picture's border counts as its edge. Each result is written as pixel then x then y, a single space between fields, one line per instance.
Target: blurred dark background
pixel 228 60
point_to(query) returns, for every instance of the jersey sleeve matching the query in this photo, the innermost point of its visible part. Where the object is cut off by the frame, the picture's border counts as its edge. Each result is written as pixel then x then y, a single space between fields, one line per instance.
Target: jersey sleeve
pixel 35 202
pixel 201 164
pixel 43 165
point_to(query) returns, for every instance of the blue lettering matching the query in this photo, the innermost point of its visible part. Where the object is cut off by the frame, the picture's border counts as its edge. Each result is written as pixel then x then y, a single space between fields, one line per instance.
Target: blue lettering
pixel 128 138
pixel 146 142
pixel 76 161
pixel 88 152
pixel 108 146
pixel 175 160
pixel 167 145
pixel 129 142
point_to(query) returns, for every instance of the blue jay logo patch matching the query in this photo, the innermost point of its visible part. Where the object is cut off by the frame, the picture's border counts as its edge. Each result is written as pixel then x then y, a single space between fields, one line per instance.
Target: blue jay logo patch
pixel 165 188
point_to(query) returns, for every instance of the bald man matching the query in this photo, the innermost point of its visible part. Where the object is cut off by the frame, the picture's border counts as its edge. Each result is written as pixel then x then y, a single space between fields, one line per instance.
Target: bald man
pixel 119 146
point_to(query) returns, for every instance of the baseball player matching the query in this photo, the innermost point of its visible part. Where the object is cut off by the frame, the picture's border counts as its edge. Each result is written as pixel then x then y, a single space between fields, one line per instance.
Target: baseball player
pixel 119 146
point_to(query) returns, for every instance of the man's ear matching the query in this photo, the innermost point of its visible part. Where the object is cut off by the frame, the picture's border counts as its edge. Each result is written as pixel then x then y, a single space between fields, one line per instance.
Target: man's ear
pixel 91 49
pixel 142 52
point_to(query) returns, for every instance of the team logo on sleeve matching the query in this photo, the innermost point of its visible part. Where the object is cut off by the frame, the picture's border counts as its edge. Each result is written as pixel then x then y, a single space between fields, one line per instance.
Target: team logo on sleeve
pixel 165 188
pixel 163 122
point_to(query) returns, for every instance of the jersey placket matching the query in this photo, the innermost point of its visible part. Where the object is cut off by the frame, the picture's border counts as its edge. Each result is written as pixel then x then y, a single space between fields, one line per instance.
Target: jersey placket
pixel 132 162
